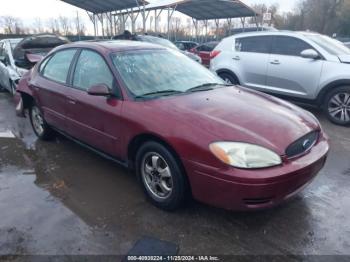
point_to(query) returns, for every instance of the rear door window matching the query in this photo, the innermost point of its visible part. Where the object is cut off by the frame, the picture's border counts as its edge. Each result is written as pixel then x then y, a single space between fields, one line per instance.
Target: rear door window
pixel 91 69
pixel 57 68
pixel 254 44
pixel 291 46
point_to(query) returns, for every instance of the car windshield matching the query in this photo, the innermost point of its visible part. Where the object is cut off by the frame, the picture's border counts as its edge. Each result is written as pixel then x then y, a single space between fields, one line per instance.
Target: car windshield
pixel 163 72
pixel 159 41
pixel 332 46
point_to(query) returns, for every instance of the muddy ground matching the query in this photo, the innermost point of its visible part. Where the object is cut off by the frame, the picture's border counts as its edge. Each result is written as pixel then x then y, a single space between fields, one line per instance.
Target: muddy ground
pixel 57 198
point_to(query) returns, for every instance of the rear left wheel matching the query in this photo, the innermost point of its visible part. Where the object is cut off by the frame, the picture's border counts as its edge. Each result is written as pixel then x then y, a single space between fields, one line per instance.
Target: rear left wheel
pixel 40 127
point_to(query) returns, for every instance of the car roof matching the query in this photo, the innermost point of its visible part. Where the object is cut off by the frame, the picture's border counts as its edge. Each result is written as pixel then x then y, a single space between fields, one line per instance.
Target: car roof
pixel 11 39
pixel 112 45
pixel 281 32
pixel 190 42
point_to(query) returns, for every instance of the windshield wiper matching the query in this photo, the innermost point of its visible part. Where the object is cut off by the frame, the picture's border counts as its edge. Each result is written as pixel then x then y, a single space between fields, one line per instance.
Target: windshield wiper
pixel 161 93
pixel 203 87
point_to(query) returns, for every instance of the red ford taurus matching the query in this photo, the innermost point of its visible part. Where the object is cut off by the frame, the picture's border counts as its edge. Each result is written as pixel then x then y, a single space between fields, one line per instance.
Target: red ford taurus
pixel 178 125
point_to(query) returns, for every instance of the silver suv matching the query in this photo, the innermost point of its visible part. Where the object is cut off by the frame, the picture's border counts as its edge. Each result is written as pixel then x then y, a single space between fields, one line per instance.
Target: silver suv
pixel 306 67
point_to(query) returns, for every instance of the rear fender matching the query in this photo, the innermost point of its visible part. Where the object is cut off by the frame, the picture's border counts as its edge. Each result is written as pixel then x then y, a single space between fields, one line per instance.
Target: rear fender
pixel 24 96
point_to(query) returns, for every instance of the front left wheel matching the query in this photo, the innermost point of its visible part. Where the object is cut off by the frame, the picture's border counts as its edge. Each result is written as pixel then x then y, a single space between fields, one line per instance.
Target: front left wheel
pixel 40 127
pixel 161 176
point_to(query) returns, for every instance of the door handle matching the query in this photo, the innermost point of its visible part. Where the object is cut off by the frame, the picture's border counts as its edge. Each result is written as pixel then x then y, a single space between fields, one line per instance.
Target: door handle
pixel 71 100
pixel 275 62
pixel 237 58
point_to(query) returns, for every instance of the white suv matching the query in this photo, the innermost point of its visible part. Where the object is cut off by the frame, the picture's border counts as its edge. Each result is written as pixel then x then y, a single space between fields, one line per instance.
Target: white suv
pixel 306 67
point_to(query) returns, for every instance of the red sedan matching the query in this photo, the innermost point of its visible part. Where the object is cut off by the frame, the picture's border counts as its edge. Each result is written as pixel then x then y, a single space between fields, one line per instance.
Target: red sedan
pixel 178 125
pixel 205 52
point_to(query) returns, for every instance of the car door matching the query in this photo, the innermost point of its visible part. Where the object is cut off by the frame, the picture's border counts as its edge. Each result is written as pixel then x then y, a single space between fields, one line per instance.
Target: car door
pixel 2 64
pixel 50 87
pixel 288 72
pixel 250 57
pixel 94 120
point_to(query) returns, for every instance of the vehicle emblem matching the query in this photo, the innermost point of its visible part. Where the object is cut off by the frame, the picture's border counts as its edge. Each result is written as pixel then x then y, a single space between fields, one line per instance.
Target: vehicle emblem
pixel 306 144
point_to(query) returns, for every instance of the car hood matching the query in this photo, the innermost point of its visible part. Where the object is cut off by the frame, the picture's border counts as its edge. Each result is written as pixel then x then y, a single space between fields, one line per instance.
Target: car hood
pixel 344 59
pixel 241 115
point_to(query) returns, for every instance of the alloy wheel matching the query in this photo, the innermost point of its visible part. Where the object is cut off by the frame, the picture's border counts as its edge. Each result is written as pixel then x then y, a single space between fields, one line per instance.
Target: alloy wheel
pixel 37 120
pixel 156 175
pixel 339 107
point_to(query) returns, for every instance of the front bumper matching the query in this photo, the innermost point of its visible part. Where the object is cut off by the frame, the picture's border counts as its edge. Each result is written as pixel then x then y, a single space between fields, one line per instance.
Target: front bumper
pixel 236 189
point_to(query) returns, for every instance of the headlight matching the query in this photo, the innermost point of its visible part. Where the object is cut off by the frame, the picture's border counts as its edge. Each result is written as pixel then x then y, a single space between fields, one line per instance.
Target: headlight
pixel 242 155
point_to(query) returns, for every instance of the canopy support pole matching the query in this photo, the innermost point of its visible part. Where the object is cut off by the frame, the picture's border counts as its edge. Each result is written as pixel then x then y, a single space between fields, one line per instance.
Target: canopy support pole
pixel 93 20
pixel 217 23
pixel 170 15
pixel 206 30
pixel 156 16
pixel 195 22
pixel 101 18
pixel 243 23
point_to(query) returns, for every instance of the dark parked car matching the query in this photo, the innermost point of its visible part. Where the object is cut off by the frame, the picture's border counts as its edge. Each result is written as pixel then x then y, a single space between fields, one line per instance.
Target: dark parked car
pixel 186 45
pixel 205 52
pixel 158 41
pixel 179 126
pixel 17 56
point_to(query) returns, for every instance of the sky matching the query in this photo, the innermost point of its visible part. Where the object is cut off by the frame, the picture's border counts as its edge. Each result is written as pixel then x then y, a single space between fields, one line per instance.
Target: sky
pixel 29 10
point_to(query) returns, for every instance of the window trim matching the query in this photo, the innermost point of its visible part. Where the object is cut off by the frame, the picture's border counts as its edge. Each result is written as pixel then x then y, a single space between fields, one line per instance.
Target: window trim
pixel 297 38
pixel 50 56
pixel 255 36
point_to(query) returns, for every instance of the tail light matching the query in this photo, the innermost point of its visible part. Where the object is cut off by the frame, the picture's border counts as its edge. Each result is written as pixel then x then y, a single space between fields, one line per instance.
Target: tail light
pixel 214 54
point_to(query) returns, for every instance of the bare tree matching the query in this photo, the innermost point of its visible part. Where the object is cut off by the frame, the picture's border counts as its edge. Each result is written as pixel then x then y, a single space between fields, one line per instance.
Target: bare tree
pixel 65 25
pixel 11 24
pixel 38 25
pixel 53 25
pixel 79 25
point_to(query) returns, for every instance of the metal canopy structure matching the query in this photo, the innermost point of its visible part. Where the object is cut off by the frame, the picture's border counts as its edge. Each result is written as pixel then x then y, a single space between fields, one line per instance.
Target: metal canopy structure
pixel 206 9
pixel 99 7
pixel 111 13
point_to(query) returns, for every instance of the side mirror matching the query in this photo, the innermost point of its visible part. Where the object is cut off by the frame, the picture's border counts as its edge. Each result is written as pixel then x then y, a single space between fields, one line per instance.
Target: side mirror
pixel 310 53
pixel 99 90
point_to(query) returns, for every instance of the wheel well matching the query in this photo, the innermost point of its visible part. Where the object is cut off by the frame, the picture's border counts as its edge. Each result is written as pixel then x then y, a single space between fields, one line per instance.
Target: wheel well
pixel 139 140
pixel 27 100
pixel 226 71
pixel 325 90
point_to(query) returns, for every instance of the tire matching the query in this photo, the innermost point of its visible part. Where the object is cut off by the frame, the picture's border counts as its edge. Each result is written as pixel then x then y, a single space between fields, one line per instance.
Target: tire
pixel 40 127
pixel 12 88
pixel 168 191
pixel 229 78
pixel 337 106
